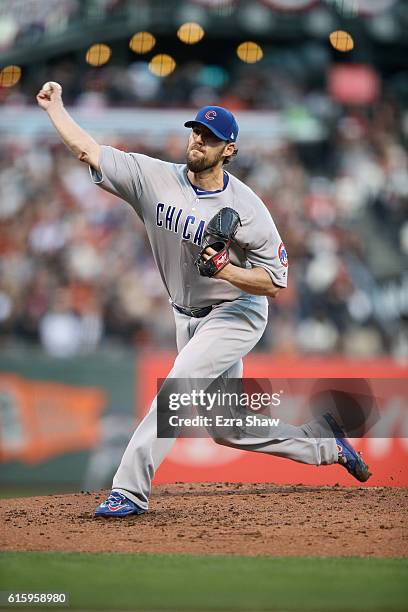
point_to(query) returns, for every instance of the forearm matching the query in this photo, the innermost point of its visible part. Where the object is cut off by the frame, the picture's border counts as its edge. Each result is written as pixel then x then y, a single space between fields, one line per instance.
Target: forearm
pixel 82 145
pixel 255 281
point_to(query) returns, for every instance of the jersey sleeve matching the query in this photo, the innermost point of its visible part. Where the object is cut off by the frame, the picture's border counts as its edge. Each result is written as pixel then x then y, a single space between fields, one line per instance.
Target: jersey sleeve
pixel 265 248
pixel 120 174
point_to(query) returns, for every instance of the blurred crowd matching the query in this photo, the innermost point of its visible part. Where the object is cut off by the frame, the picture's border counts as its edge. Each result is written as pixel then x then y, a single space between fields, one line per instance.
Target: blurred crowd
pixel 281 80
pixel 77 272
pixel 27 22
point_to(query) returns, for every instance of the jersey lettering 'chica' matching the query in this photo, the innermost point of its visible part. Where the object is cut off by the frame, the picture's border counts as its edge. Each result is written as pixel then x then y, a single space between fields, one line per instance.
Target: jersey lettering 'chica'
pixel 176 214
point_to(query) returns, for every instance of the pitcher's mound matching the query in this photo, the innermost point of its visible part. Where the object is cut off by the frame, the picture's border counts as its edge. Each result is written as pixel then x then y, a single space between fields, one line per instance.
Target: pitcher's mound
pixel 219 518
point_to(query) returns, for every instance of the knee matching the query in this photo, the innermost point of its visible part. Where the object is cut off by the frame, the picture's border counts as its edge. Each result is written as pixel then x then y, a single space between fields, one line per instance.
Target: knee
pixel 192 370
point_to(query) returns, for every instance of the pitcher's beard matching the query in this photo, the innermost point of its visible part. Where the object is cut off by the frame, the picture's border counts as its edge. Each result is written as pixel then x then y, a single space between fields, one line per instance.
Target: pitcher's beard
pixel 198 165
pixel 202 164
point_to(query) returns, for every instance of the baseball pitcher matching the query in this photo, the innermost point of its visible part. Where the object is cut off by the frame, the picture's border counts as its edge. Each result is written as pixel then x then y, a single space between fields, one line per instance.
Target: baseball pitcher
pixel 220 256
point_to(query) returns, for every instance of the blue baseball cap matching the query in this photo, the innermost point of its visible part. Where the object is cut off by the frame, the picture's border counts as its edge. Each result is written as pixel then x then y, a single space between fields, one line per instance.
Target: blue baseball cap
pixel 219 120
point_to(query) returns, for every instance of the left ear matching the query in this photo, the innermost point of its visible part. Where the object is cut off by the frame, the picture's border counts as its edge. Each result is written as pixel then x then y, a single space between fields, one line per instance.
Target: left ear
pixel 229 149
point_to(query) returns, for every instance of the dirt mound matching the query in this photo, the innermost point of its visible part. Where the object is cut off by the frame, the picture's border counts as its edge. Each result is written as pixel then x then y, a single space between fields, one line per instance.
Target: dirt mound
pixel 211 518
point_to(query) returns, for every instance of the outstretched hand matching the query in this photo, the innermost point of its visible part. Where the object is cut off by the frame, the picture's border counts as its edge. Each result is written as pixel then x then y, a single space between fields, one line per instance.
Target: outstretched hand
pixel 49 94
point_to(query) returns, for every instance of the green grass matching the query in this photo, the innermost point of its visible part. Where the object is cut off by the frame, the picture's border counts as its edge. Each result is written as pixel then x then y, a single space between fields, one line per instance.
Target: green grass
pixel 11 493
pixel 183 582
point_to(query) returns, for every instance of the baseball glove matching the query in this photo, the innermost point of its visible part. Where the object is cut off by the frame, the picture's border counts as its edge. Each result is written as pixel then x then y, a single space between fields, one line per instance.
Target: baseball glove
pixel 218 235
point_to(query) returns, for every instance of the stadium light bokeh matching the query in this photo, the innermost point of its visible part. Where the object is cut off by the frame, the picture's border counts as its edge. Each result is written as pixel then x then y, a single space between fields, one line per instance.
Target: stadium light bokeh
pixel 190 33
pixel 341 41
pixel 142 42
pixel 98 54
pixel 249 52
pixel 162 65
pixel 10 76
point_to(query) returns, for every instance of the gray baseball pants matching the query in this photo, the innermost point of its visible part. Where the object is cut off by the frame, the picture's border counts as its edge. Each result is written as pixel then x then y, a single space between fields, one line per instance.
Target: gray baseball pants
pixel 208 348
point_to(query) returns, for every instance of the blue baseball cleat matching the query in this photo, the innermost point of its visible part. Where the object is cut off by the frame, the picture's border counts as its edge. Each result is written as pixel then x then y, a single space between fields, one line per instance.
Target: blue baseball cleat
pixel 118 505
pixel 348 457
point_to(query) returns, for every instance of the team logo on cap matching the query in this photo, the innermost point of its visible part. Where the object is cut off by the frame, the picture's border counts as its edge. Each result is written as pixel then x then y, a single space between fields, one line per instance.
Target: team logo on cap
pixel 210 115
pixel 282 254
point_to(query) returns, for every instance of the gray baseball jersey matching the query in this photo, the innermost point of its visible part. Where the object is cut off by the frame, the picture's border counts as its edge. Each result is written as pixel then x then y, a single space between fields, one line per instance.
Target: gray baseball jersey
pixel 175 214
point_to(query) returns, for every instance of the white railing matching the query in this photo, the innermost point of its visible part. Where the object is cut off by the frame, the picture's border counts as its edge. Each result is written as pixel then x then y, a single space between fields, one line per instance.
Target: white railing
pixel 262 126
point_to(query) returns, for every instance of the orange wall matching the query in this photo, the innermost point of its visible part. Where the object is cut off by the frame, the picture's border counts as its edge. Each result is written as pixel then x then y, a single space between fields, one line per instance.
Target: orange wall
pixel 195 460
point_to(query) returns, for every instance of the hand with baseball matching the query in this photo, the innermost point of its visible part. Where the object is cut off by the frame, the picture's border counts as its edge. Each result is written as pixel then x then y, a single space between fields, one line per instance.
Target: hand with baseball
pixel 78 141
pixel 49 94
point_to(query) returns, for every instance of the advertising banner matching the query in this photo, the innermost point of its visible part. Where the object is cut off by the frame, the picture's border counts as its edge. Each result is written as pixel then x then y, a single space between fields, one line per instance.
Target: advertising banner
pixel 41 419
pixel 385 445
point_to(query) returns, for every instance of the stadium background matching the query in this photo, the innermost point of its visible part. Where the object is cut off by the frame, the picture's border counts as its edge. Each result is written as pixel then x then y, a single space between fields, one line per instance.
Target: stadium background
pixel 85 324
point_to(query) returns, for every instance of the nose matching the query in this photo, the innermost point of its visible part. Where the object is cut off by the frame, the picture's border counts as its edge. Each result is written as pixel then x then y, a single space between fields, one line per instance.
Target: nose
pixel 198 137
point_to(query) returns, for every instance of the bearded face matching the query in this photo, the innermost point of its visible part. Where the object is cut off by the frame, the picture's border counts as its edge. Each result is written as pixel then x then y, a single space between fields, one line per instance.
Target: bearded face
pixel 204 150
pixel 199 161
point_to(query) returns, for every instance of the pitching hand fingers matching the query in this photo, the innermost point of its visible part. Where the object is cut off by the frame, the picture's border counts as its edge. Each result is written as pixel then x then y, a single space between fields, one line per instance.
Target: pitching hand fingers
pixel 209 252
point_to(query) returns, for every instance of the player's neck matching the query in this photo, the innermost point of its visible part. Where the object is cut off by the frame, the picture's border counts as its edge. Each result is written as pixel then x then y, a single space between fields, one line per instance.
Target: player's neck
pixel 210 180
